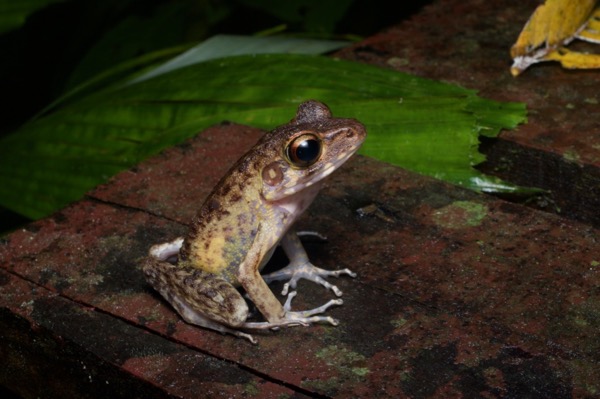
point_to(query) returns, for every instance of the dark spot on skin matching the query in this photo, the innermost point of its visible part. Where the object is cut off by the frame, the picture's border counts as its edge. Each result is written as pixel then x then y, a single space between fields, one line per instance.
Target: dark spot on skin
pixel 228 230
pixel 225 189
pixel 210 293
pixel 189 281
pixel 229 303
pixel 211 210
pixel 243 183
pixel 235 197
pixel 243 167
pixel 214 204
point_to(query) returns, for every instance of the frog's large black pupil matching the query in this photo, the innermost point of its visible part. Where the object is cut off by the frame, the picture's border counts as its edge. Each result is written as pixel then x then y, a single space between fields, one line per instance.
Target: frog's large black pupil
pixel 308 150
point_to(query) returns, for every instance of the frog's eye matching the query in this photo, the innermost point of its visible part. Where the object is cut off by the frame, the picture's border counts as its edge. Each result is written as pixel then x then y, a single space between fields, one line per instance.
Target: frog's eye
pixel 304 150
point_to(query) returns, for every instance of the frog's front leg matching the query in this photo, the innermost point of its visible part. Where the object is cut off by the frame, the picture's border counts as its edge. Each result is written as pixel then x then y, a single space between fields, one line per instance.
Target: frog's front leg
pixel 268 305
pixel 301 268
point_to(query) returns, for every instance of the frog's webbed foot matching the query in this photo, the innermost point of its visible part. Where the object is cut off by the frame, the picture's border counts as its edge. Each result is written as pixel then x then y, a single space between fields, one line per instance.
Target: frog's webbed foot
pixel 308 316
pixel 297 318
pixel 301 268
pixel 307 271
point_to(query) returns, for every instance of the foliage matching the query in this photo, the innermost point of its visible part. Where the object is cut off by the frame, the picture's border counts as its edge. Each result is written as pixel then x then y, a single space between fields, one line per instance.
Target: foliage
pixel 91 67
pixel 428 126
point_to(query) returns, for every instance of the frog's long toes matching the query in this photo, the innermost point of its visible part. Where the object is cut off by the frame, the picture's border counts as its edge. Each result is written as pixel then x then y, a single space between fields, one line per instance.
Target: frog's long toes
pixel 338 273
pixel 310 233
pixel 246 336
pixel 286 288
pixel 336 290
pixel 287 306
pixel 349 273
pixel 337 302
pixel 320 309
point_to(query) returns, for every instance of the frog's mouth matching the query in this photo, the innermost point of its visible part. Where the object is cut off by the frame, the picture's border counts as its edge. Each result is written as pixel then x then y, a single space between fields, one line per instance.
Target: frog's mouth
pixel 324 170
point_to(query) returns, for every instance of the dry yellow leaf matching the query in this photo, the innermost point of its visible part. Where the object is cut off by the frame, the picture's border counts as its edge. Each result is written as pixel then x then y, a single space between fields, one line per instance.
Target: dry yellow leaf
pixel 591 31
pixel 552 26
pixel 574 60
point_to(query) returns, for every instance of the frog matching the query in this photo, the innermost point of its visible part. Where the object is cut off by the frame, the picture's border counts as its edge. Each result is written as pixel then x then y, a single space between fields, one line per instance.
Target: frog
pixel 247 215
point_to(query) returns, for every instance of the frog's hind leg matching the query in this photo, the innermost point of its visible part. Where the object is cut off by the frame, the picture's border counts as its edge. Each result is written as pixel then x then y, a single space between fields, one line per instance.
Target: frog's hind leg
pixel 301 268
pixel 200 298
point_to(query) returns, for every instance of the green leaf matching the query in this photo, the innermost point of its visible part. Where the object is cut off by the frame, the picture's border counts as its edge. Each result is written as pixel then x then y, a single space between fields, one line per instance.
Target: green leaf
pixel 220 46
pixel 426 126
pixel 13 13
pixel 147 66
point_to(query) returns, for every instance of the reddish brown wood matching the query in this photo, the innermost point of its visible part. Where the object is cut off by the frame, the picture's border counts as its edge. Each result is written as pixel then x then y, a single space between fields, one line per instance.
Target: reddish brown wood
pixel 457 294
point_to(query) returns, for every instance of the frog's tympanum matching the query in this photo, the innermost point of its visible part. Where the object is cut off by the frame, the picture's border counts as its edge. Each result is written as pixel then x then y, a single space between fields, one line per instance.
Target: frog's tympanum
pixel 250 212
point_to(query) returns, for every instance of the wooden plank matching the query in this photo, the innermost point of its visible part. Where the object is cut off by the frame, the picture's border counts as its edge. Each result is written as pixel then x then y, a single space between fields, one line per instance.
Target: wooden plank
pixel 457 294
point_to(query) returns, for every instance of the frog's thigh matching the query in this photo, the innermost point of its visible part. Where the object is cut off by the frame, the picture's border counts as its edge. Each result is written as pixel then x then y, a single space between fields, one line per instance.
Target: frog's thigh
pixel 197 295
pixel 192 316
pixel 221 306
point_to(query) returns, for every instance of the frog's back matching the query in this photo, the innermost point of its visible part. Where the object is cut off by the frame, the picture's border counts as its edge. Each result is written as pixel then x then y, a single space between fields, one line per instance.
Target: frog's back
pixel 226 225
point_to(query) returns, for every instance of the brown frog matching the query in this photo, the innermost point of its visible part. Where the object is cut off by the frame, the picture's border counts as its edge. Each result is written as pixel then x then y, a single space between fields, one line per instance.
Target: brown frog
pixel 248 213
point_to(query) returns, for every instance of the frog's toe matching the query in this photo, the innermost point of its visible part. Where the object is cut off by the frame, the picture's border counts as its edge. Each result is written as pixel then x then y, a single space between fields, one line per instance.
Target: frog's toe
pixel 308 316
pixel 307 271
pixel 316 278
pixel 245 336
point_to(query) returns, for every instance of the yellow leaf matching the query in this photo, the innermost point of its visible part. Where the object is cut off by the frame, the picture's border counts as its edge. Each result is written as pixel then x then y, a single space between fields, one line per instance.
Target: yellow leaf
pixel 574 60
pixel 553 25
pixel 591 31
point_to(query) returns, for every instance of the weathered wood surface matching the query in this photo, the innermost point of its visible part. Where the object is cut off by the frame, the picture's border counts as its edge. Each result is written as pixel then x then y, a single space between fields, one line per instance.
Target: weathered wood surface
pixel 458 294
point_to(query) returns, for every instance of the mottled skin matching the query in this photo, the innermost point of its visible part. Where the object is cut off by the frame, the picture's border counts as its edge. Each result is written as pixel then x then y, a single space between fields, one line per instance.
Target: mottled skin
pixel 246 216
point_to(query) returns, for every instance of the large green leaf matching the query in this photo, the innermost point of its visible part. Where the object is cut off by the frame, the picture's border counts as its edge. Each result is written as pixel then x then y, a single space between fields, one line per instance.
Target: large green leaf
pixel 153 64
pixel 423 125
